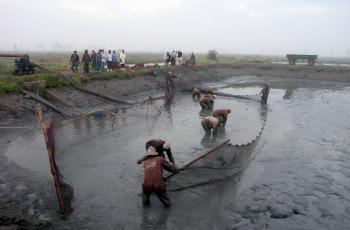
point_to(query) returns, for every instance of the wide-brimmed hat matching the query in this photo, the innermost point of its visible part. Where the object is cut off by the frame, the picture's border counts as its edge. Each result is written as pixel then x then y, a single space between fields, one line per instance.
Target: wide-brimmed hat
pixel 151 151
pixel 166 145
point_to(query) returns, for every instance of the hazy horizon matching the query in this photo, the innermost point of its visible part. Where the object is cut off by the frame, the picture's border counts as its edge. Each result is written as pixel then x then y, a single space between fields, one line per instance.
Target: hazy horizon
pixel 253 27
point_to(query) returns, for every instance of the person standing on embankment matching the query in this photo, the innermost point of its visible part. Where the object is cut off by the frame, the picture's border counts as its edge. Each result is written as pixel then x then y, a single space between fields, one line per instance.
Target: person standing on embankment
pixel 103 60
pixel 86 61
pixel 114 60
pixel 98 60
pixel 122 59
pixel 93 60
pixel 74 61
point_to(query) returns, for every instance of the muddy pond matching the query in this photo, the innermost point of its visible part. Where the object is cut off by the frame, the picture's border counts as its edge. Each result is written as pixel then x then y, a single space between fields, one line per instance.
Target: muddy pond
pixel 295 176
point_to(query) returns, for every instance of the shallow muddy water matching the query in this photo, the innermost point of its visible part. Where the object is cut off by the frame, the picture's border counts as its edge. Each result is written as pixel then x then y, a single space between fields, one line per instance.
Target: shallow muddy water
pixel 295 177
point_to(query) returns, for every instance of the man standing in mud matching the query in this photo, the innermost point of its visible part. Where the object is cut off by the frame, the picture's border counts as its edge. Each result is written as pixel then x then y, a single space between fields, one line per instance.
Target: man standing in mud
pixel 161 146
pixel 222 115
pixel 74 61
pixel 153 178
pixel 210 124
pixel 207 102
pixel 169 88
pixel 265 94
pixel 169 81
pixel 196 94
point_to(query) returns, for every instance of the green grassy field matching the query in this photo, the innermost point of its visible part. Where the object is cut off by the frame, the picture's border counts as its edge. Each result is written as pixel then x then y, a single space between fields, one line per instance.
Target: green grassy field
pixel 59 62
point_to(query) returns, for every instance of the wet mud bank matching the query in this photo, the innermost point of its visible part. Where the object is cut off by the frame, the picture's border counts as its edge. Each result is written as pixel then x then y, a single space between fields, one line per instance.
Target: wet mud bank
pixel 295 173
pixel 19 106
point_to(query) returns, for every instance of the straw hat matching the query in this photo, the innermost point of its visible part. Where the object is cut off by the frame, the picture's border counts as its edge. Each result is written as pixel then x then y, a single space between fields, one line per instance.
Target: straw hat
pixel 151 151
pixel 166 145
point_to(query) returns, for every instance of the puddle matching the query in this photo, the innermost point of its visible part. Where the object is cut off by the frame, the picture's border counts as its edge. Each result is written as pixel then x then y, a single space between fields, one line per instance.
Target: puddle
pixel 29 151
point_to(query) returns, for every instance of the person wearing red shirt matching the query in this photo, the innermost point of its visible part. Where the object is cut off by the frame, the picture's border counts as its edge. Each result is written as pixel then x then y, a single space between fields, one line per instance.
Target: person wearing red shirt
pixel 153 178
pixel 222 114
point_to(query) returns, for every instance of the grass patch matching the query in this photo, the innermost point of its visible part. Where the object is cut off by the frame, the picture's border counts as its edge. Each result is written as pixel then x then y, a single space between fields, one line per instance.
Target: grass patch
pixel 9 87
pixel 6 68
pixel 14 84
pixel 79 80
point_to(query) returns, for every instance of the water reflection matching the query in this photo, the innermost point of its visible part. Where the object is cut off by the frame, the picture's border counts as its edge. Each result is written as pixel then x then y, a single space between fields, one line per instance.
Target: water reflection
pixel 288 93
pixel 154 219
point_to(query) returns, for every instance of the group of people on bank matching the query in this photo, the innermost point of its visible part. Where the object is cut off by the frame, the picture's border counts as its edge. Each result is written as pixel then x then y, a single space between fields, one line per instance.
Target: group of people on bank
pixel 177 58
pixel 100 61
pixel 154 160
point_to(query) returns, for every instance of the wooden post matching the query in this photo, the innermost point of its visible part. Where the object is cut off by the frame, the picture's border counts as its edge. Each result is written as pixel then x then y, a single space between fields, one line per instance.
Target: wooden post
pixel 48 136
pixel 200 157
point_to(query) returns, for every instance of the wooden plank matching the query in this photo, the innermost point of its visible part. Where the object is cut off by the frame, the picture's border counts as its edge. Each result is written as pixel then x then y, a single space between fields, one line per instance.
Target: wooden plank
pixel 45 102
pixel 51 96
pixel 200 157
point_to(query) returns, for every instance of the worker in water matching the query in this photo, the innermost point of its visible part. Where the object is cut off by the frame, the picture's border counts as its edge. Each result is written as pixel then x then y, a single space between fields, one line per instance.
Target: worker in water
pixel 207 102
pixel 86 61
pixel 169 89
pixel 265 94
pixel 210 124
pixel 153 178
pixel 196 94
pixel 74 61
pixel 222 115
pixel 161 146
pixel 169 82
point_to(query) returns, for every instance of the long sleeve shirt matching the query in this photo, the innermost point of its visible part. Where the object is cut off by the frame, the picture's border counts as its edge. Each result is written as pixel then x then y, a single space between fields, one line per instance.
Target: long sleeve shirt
pixel 153 178
pixel 122 57
pixel 221 112
pixel 158 145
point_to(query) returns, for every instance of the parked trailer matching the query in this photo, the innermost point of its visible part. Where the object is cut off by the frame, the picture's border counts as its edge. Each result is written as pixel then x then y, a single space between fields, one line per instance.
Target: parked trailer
pixel 292 58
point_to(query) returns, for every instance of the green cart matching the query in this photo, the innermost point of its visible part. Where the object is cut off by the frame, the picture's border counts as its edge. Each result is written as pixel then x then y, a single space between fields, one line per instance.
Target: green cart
pixel 292 58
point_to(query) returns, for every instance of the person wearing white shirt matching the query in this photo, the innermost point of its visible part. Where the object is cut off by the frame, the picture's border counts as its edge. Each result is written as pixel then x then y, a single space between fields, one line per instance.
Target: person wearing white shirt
pixel 122 57
pixel 109 60
pixel 103 61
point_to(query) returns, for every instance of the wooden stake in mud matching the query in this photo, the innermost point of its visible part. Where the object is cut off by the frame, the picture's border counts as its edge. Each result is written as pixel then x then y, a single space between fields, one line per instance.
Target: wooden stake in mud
pixel 42 100
pixel 200 157
pixel 47 131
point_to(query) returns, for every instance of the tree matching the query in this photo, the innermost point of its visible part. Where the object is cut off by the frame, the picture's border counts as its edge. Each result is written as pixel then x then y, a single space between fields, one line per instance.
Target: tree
pixel 212 55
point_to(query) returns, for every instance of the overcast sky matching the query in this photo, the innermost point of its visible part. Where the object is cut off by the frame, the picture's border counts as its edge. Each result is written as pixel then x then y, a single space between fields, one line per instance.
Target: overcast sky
pixel 229 26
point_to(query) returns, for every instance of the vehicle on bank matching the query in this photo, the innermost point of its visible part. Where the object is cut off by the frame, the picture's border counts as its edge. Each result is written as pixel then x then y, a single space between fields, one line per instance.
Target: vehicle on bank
pixel 22 62
pixel 292 58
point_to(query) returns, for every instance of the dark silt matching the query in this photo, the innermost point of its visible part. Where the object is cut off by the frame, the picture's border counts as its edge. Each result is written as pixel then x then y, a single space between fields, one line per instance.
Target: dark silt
pixel 296 176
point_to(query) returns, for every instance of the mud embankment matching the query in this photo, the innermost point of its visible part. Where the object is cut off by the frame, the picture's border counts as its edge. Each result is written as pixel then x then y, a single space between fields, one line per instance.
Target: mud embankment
pixel 19 106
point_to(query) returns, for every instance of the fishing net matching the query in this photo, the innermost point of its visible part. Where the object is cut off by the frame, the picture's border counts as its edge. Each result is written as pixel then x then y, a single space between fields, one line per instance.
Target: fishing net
pixel 225 162
pixel 96 153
